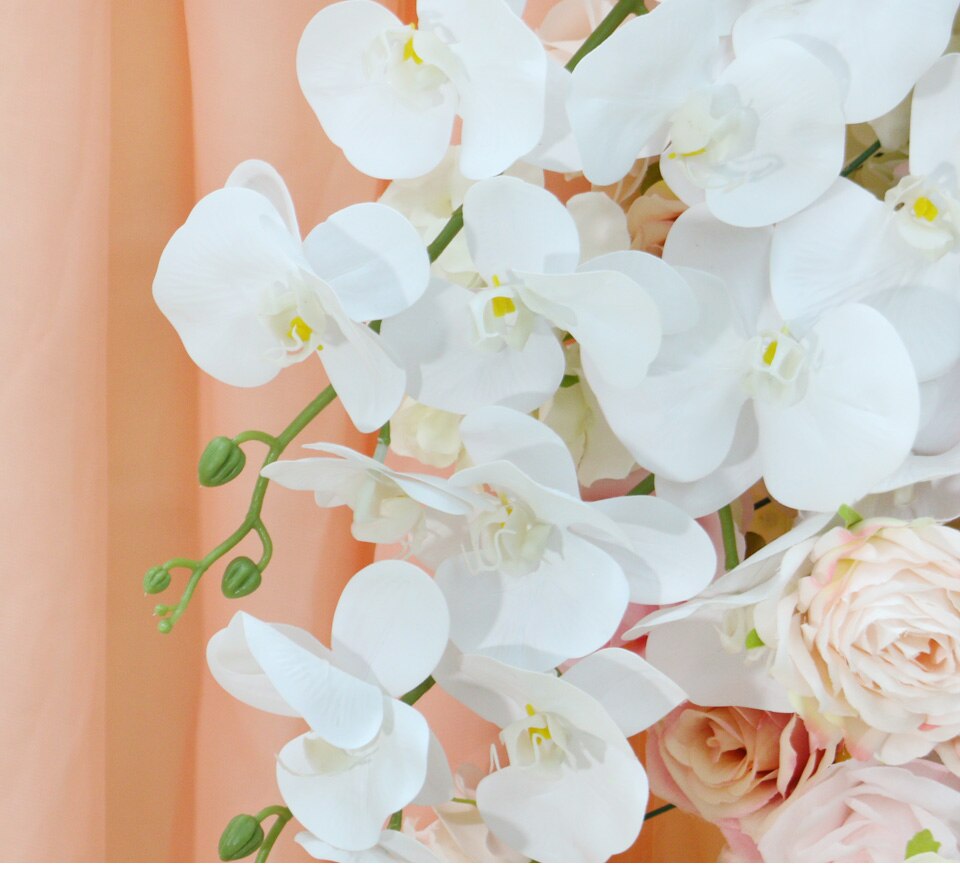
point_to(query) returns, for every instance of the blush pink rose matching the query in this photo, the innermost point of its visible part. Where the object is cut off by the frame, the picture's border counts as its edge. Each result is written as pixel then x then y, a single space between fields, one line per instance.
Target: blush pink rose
pixel 730 764
pixel 857 812
pixel 650 218
pixel 867 637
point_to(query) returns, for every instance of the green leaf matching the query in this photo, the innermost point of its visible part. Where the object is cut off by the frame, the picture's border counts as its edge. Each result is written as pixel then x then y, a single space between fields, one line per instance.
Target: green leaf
pixel 850 516
pixel 753 640
pixel 921 843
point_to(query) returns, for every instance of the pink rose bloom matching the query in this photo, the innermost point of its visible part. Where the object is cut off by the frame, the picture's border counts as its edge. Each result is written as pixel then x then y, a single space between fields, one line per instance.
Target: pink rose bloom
pixel 867 637
pixel 729 763
pixel 857 812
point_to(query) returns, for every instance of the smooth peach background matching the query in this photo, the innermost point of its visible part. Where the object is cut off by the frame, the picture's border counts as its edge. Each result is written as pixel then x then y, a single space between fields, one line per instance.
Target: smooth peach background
pixel 115 744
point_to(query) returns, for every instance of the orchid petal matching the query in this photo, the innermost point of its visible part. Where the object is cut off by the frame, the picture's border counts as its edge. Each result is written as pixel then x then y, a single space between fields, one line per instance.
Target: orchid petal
pixel 934 121
pixel 261 177
pixel 392 620
pixel 601 223
pixel 372 257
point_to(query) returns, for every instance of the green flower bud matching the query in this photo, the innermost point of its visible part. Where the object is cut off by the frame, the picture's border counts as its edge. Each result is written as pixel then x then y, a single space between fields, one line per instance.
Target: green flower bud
pixel 222 461
pixel 241 837
pixel 242 577
pixel 155 580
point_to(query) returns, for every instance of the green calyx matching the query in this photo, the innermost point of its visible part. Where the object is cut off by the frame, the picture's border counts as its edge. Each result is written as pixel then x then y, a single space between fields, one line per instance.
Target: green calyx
pixel 221 462
pixel 922 843
pixel 242 577
pixel 753 640
pixel 155 580
pixel 849 515
pixel 240 838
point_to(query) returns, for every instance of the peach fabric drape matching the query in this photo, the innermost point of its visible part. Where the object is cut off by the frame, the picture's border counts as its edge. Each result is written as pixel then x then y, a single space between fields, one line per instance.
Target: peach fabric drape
pixel 117 116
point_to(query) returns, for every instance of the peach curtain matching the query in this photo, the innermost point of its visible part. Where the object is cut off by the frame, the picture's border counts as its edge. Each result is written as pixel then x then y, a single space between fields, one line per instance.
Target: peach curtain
pixel 117 116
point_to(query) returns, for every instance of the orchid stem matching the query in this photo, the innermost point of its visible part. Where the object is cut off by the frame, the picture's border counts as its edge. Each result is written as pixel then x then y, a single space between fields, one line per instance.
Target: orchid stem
pixel 860 160
pixel 729 534
pixel 283 815
pixel 606 27
pixel 660 810
pixel 252 521
pixel 396 821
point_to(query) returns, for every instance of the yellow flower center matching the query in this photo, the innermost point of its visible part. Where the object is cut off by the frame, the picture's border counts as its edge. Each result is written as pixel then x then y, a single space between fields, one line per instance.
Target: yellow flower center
pixel 770 353
pixel 302 330
pixel 410 53
pixel 502 306
pixel 923 207
pixel 537 734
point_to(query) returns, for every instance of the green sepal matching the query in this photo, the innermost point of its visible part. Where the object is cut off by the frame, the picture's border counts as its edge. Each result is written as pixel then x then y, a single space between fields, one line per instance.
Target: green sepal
pixel 921 843
pixel 569 380
pixel 221 462
pixel 849 515
pixel 753 640
pixel 242 577
pixel 240 838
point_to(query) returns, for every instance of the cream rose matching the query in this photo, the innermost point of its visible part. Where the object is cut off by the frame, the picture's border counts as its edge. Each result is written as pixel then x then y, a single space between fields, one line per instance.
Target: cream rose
pixel 858 812
pixel 731 763
pixel 867 637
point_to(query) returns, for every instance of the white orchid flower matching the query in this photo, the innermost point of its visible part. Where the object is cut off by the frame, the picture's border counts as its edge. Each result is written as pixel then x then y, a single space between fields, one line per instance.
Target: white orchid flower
pixel 248 298
pixel 759 140
pixel 573 789
pixel 901 256
pixel 539 576
pixel 387 93
pixel 467 349
pixel 432 436
pixel 705 645
pixel 388 507
pixel 822 410
pixel 866 35
pixel 366 754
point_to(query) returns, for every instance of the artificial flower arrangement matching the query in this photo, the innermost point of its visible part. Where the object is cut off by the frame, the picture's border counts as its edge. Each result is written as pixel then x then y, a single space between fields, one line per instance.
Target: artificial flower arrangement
pixel 750 315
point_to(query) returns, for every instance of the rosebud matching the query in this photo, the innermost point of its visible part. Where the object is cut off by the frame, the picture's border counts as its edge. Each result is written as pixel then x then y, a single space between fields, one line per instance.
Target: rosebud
pixel 222 461
pixel 242 577
pixel 241 837
pixel 155 580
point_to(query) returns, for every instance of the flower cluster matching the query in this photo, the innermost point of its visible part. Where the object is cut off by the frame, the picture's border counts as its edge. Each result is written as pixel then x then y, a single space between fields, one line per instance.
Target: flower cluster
pixel 726 314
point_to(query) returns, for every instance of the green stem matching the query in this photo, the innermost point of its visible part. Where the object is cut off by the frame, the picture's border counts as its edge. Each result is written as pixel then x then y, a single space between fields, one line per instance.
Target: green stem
pixel 606 27
pixel 383 443
pixel 411 697
pixel 446 235
pixel 396 821
pixel 255 436
pixel 645 487
pixel 729 534
pixel 283 816
pixel 464 800
pixel 252 520
pixel 660 810
pixel 860 160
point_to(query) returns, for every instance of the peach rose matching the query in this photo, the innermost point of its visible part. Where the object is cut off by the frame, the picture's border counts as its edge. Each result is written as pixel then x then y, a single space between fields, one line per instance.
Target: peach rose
pixel 858 812
pixel 729 763
pixel 651 216
pixel 867 637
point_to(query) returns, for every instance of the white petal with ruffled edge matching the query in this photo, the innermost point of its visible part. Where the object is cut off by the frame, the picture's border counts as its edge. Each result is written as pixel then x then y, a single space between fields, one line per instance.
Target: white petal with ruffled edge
pixel 368 381
pixel 345 75
pixel 867 34
pixel 512 225
pixel 496 433
pixel 624 92
pixel 346 711
pixel 391 622
pixel 237 671
pixel 343 798
pixel 671 557
pixel 615 321
pixel 635 694
pixel 692 655
pixel 263 178
pixel 567 607
pixel 499 69
pixel 434 340
pixel 934 120
pixel 856 422
pixel 372 257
